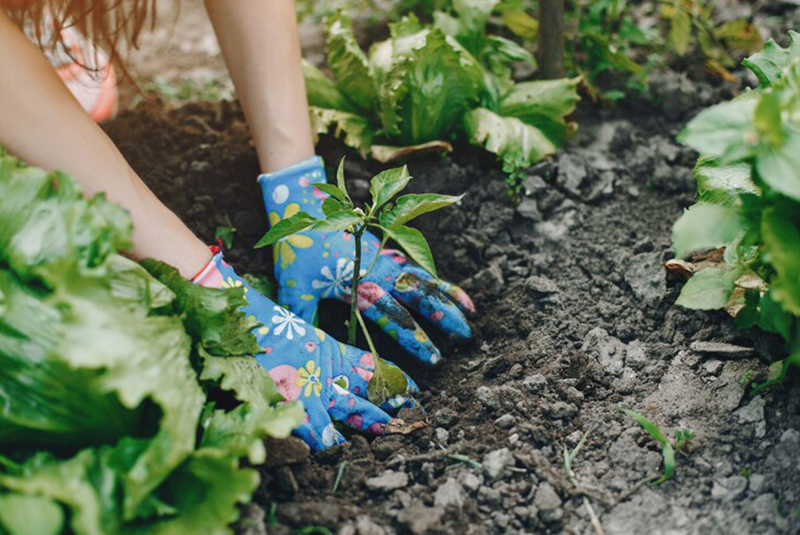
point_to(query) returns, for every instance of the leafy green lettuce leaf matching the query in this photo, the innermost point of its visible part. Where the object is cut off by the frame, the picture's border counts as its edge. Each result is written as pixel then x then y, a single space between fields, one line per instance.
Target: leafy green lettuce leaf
pixel 518 144
pixel 543 104
pixel 349 64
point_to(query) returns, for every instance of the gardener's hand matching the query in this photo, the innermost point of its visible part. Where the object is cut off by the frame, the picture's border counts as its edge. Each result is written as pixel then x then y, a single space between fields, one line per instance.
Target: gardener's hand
pixel 328 377
pixel 316 265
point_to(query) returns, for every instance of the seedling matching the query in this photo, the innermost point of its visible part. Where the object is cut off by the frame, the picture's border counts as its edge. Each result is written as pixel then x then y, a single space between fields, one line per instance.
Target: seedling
pixel 385 213
pixel 682 439
pixel 667 450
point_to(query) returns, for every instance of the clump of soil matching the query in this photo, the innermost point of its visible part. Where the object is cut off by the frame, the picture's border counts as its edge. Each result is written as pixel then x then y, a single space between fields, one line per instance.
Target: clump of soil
pixel 575 319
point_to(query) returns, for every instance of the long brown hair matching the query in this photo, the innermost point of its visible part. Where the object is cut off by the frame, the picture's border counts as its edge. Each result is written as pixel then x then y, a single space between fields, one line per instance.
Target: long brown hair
pixel 111 25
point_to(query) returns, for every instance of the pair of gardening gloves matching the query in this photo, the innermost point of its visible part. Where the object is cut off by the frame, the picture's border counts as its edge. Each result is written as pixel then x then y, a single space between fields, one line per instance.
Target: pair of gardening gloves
pixel 330 378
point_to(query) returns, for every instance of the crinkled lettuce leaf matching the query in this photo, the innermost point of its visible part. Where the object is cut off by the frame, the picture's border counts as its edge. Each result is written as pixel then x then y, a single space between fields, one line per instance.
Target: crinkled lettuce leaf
pixel 543 104
pixel 100 372
pixel 515 142
pixel 769 64
pixel 349 64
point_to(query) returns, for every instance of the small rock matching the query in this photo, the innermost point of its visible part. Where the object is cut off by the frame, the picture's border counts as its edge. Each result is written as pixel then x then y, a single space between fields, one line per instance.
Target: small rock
pixel 636 355
pixel 529 209
pixel 646 277
pixel 546 498
pixel 490 280
pixel 723 349
pixel 422 520
pixel 571 172
pixel 366 526
pixel 286 451
pixel 442 435
pixel 561 409
pixel 469 480
pixel 756 484
pixel 285 481
pixel 388 481
pixel 609 351
pixel 729 488
pixel 713 366
pixel 449 493
pixel 535 384
pixel 445 417
pixel 489 496
pixel 752 412
pixel 496 462
pixel 487 397
pixel 506 421
pixel 540 285
pixel 533 184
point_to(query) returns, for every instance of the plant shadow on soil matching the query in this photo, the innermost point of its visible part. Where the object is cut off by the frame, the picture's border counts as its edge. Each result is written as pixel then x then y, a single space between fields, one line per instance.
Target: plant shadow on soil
pixel 575 319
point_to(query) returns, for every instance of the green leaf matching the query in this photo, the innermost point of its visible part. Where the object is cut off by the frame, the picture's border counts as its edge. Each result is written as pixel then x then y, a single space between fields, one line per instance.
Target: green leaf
pixel 543 104
pixel 331 206
pixel 769 64
pixel 213 317
pixel 322 91
pixel 414 244
pixel 779 167
pixel 773 318
pixel 739 34
pixel 667 451
pixel 30 515
pixel 518 144
pixel 723 184
pixel 385 185
pixel 521 24
pixel 286 227
pixel 408 207
pixel 340 178
pixel 680 31
pixel 724 131
pixel 709 289
pixel 780 230
pixel 333 191
pixel 337 221
pixel 354 129
pixel 349 64
pixel 703 227
pixel 431 82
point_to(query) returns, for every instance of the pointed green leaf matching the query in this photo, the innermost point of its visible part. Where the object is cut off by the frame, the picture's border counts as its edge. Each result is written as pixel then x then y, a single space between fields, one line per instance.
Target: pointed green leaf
pixel 709 289
pixel 333 191
pixel 286 227
pixel 337 221
pixel 414 244
pixel 407 207
pixel 780 230
pixel 724 131
pixel 385 185
pixel 340 177
pixel 331 206
pixel 703 227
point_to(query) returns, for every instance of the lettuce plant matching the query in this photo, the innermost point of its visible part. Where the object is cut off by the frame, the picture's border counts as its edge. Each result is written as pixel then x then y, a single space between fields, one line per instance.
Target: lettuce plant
pixel 749 202
pixel 108 369
pixel 435 85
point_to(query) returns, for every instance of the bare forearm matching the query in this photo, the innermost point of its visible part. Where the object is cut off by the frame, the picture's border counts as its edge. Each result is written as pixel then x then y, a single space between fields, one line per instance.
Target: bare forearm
pixel 261 47
pixel 41 123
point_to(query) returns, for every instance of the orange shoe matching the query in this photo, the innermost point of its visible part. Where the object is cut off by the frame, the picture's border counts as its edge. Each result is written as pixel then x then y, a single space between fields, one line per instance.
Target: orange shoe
pixel 87 73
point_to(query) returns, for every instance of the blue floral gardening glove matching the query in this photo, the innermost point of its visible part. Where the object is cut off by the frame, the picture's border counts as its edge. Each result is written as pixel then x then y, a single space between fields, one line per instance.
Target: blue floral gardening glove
pixel 315 265
pixel 328 377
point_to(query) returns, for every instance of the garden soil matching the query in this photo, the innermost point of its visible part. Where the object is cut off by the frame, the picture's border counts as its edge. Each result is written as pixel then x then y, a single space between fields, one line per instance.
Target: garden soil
pixel 575 319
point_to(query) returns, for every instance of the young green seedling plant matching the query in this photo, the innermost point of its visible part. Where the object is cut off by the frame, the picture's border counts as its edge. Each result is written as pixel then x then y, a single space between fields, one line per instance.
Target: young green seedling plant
pixel 667 450
pixel 385 213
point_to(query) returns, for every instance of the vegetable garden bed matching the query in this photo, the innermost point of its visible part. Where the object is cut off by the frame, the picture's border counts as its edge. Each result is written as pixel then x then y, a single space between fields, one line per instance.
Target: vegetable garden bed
pixel 575 320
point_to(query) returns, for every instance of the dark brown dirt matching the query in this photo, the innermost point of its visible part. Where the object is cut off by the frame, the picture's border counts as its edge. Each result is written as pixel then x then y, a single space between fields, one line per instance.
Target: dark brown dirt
pixel 575 319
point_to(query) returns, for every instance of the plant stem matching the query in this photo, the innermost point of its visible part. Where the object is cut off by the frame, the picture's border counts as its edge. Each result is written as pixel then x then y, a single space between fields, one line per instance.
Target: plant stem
pixel 367 336
pixel 551 38
pixel 351 337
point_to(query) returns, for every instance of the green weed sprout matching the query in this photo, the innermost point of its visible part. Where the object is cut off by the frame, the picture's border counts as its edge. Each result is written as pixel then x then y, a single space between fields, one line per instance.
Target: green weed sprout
pixel 667 450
